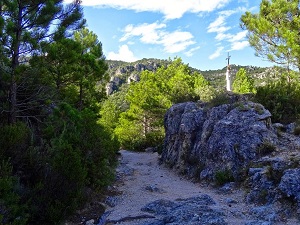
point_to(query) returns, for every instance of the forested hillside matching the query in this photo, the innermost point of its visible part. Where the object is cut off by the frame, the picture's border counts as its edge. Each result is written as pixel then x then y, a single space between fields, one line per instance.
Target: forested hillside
pixel 123 72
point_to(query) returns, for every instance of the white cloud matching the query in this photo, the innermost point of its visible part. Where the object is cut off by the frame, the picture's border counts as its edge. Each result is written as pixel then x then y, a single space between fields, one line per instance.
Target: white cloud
pixel 231 37
pixel 176 41
pixel 172 42
pixel 149 32
pixel 130 43
pixel 217 53
pixel 239 45
pixel 172 9
pixel 222 36
pixel 243 1
pixel 191 51
pixel 228 12
pixel 124 54
pixel 239 36
pixel 219 27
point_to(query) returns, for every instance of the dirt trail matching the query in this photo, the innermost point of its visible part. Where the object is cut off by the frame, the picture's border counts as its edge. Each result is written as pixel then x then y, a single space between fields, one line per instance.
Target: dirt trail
pixel 143 181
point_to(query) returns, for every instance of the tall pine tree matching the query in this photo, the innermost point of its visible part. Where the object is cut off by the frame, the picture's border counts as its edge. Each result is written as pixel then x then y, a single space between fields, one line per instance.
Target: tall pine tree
pixel 92 66
pixel 274 31
pixel 24 25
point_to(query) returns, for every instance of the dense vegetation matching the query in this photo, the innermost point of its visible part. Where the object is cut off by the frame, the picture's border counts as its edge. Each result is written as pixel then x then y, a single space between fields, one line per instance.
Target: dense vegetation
pixel 274 31
pixel 278 41
pixel 243 83
pixel 52 147
pixel 139 109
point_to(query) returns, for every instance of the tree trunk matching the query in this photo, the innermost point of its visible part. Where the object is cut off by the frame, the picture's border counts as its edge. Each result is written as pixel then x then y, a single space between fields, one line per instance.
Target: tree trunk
pixel 145 126
pixel 80 96
pixel 14 65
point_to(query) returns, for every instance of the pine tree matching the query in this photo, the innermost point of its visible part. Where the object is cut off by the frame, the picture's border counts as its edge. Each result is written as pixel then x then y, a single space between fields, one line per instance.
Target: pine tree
pixel 24 26
pixel 243 83
pixel 274 31
pixel 91 63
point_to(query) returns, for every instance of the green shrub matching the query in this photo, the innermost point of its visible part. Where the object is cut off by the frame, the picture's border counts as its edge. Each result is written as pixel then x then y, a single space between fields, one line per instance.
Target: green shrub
pixel 61 190
pixel 95 144
pixel 219 99
pixel 259 109
pixel 14 139
pixel 223 177
pixel 203 89
pixel 241 106
pixel 154 138
pixel 281 98
pixel 12 210
pixel 76 152
pixel 243 83
pixel 265 148
pixel 297 131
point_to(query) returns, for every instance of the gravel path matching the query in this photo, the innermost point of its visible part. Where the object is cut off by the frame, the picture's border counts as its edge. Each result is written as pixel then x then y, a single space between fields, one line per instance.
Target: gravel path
pixel 143 180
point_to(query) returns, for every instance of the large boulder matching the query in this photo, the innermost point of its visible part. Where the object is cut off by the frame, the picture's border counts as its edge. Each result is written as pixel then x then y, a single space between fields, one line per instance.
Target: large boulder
pixel 290 184
pixel 202 141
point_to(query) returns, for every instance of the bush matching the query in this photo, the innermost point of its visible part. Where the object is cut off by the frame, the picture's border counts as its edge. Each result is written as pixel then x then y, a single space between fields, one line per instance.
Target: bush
pixel 297 130
pixel 265 148
pixel 96 146
pixel 220 99
pixel 60 192
pixel 203 89
pixel 243 83
pixel 12 211
pixel 223 177
pixel 48 174
pixel 14 139
pixel 282 99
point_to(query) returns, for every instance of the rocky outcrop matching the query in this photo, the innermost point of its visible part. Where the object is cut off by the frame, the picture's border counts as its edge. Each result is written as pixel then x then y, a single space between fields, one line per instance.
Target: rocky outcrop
pixel 121 73
pixel 235 142
pixel 133 78
pixel 201 142
pixel 191 211
pixel 290 184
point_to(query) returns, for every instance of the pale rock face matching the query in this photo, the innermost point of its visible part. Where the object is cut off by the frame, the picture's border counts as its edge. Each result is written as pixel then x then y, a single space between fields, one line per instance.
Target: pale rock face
pixel 109 88
pixel 240 139
pixel 128 74
pixel 221 138
pixel 133 78
pixel 290 184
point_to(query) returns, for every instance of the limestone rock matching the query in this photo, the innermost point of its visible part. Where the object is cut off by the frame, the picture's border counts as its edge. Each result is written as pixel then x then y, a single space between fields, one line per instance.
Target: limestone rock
pixel 262 188
pixel 110 88
pixel 90 222
pixel 290 184
pixel 201 141
pixel 133 78
pixel 127 73
pixel 237 142
pixel 190 211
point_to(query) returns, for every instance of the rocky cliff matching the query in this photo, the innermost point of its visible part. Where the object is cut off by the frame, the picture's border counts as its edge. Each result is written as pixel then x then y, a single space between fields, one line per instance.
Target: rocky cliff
pixel 125 73
pixel 234 142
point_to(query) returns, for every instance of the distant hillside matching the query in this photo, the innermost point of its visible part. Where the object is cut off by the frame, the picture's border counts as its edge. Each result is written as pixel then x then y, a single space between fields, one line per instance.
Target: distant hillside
pixel 123 72
pixel 261 75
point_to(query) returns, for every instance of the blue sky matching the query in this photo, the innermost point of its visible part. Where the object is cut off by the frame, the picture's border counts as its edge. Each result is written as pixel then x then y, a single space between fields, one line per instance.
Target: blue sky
pixel 201 32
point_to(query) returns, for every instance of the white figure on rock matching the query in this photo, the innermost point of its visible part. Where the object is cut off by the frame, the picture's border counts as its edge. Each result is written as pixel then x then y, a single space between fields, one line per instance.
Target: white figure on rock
pixel 228 77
